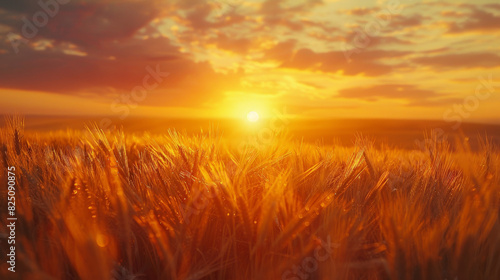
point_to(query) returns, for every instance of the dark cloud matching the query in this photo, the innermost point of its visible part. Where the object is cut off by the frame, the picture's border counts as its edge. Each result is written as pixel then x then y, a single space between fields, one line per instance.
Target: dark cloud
pixel 86 23
pixel 277 13
pixel 112 55
pixel 278 7
pixel 358 37
pixel 435 102
pixel 360 11
pixel 56 72
pixel 281 52
pixel 237 45
pixel 20 6
pixel 458 61
pixel 379 30
pixel 399 21
pixel 389 40
pixel 413 95
pixel 324 26
pixel 334 61
pixel 203 16
pixel 476 20
pixel 391 91
pixel 495 6
pixel 434 51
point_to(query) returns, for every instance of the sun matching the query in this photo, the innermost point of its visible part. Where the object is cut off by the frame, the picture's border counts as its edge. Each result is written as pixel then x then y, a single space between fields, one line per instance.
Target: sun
pixel 252 116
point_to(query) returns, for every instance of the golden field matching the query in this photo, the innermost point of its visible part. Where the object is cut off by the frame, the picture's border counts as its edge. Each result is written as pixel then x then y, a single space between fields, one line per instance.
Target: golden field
pixel 119 205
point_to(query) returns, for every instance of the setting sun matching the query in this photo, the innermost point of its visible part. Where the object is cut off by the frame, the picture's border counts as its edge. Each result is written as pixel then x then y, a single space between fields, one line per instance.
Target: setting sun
pixel 253 116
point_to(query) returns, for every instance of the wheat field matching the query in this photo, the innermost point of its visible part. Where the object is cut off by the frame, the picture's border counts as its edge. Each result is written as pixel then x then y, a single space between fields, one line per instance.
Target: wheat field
pixel 115 205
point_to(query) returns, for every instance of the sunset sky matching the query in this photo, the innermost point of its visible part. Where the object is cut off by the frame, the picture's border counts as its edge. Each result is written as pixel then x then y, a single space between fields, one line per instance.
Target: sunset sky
pixel 406 59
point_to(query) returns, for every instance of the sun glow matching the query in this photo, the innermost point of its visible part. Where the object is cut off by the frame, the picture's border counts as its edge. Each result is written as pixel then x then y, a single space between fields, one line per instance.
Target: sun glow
pixel 253 116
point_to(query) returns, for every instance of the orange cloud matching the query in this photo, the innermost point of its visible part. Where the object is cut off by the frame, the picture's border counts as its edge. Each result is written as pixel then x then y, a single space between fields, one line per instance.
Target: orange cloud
pixel 334 61
pixel 476 20
pixel 460 61
pixel 413 95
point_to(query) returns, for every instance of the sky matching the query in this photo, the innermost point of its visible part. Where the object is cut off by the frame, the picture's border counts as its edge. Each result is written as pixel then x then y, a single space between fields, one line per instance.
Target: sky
pixel 401 59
